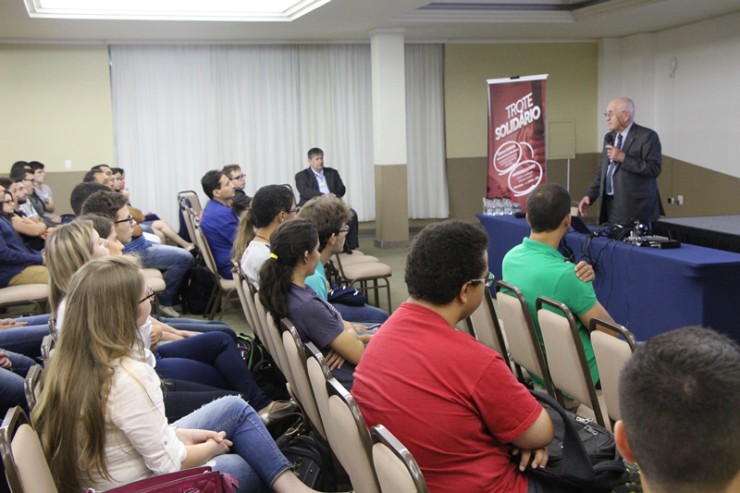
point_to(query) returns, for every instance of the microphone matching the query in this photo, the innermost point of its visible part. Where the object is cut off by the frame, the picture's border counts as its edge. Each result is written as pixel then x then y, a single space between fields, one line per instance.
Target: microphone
pixel 609 139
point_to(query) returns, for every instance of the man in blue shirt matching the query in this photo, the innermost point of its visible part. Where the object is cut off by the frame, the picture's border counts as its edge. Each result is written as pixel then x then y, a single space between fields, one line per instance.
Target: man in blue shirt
pixel 219 221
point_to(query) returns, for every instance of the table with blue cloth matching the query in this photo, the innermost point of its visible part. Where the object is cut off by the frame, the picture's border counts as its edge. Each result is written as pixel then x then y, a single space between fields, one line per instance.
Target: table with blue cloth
pixel 648 290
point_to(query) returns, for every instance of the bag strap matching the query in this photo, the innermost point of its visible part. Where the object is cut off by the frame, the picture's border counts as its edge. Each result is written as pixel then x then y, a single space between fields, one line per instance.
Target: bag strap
pixel 575 463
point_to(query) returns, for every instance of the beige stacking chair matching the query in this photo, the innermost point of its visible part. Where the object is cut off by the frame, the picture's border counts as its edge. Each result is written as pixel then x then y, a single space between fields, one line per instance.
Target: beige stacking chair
pixel 301 386
pixel 484 325
pixel 190 199
pixel 521 336
pixel 566 357
pixel 395 467
pixel 223 287
pixel 272 338
pixel 352 444
pixel 367 275
pixel 31 385
pixel 613 345
pixel 26 468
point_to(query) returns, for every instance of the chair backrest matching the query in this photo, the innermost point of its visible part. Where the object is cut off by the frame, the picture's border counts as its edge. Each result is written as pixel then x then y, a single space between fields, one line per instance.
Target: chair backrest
pixel 565 354
pixel 318 374
pixel 191 200
pixel 521 335
pixel 205 249
pixel 47 346
pixel 613 345
pixel 354 450
pixel 484 326
pixel 395 467
pixel 188 213
pixel 301 386
pixel 26 468
pixel 272 338
pixel 242 291
pixel 31 385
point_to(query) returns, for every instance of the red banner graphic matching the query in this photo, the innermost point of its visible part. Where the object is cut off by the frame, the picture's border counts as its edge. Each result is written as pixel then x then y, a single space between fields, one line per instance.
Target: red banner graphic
pixel 516 137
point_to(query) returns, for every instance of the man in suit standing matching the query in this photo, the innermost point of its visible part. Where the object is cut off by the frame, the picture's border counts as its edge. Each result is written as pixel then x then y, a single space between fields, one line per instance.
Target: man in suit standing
pixel 630 163
pixel 320 180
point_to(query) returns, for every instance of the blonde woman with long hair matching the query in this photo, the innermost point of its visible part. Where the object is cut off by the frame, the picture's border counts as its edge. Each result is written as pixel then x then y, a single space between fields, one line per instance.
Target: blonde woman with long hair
pixel 101 413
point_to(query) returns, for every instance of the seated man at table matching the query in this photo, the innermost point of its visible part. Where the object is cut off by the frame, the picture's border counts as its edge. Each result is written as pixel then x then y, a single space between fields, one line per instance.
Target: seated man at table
pixel 537 268
pixel 451 400
pixel 678 395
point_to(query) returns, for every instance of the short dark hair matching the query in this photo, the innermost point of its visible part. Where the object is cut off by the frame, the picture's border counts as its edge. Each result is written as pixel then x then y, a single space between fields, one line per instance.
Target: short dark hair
pixel 99 167
pixel 547 206
pixel 104 203
pixel 5 182
pixel 327 214
pixel 103 225
pixel 18 165
pixel 117 171
pixel 90 175
pixel 314 151
pixel 81 192
pixel 211 181
pixel 20 175
pixel 288 244
pixel 678 395
pixel 229 168
pixel 443 257
pixel 35 165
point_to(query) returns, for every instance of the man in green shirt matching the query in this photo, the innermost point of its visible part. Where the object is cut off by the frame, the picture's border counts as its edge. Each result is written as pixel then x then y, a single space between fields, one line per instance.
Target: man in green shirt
pixel 537 268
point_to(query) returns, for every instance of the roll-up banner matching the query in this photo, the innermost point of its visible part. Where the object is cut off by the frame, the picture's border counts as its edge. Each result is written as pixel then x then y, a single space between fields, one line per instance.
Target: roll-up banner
pixel 516 137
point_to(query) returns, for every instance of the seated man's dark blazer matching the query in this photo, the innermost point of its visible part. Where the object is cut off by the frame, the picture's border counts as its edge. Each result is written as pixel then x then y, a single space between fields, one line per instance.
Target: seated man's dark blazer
pixel 308 187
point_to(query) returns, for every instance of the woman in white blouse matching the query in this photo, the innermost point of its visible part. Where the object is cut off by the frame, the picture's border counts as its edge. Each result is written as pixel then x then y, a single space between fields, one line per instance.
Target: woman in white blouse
pixel 100 412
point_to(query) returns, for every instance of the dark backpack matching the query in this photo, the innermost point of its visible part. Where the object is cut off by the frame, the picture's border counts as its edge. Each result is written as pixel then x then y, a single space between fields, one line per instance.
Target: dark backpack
pixel 312 462
pixel 582 456
pixel 196 289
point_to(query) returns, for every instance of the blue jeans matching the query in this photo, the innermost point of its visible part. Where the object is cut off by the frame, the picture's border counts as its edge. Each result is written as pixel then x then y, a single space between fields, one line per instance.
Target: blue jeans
pixel 254 461
pixel 12 392
pixel 359 314
pixel 197 325
pixel 176 263
pixel 210 359
pixel 26 340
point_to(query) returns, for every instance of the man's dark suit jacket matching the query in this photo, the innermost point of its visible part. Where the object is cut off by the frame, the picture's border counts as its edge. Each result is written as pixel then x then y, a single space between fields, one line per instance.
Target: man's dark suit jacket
pixel 308 187
pixel 636 195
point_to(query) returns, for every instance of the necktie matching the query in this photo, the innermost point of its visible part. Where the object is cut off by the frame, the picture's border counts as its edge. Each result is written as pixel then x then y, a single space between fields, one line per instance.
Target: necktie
pixel 611 168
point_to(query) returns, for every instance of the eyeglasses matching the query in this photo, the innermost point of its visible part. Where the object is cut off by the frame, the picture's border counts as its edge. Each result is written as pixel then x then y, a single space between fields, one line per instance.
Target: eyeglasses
pixel 344 229
pixel 129 219
pixel 237 177
pixel 293 211
pixel 611 114
pixel 487 281
pixel 149 294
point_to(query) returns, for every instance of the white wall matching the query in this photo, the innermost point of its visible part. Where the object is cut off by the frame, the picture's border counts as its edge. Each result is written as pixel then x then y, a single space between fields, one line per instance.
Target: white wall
pixel 696 112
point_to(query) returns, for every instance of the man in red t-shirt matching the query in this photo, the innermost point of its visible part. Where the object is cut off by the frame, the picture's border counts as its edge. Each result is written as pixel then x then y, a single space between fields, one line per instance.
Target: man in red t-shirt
pixel 451 400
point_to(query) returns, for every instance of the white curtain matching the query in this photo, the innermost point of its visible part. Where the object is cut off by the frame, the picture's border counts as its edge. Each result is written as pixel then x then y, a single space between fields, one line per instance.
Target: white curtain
pixel 182 110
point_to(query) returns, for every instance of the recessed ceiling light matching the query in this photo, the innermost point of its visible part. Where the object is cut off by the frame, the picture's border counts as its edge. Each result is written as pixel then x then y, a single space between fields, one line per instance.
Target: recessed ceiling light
pixel 181 10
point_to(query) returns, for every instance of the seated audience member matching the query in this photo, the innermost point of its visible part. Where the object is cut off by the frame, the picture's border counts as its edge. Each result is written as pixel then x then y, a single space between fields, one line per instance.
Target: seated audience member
pixel 81 192
pixel 294 254
pixel 186 326
pixel 107 171
pixel 96 176
pixel 121 434
pixel 13 370
pixel 19 167
pixel 679 397
pixel 32 232
pixel 318 180
pixel 150 223
pixel 18 263
pixel 176 262
pixel 42 192
pixel 537 268
pixel 218 221
pixel 330 216
pixel 271 206
pixel 241 200
pixel 211 359
pixel 451 400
